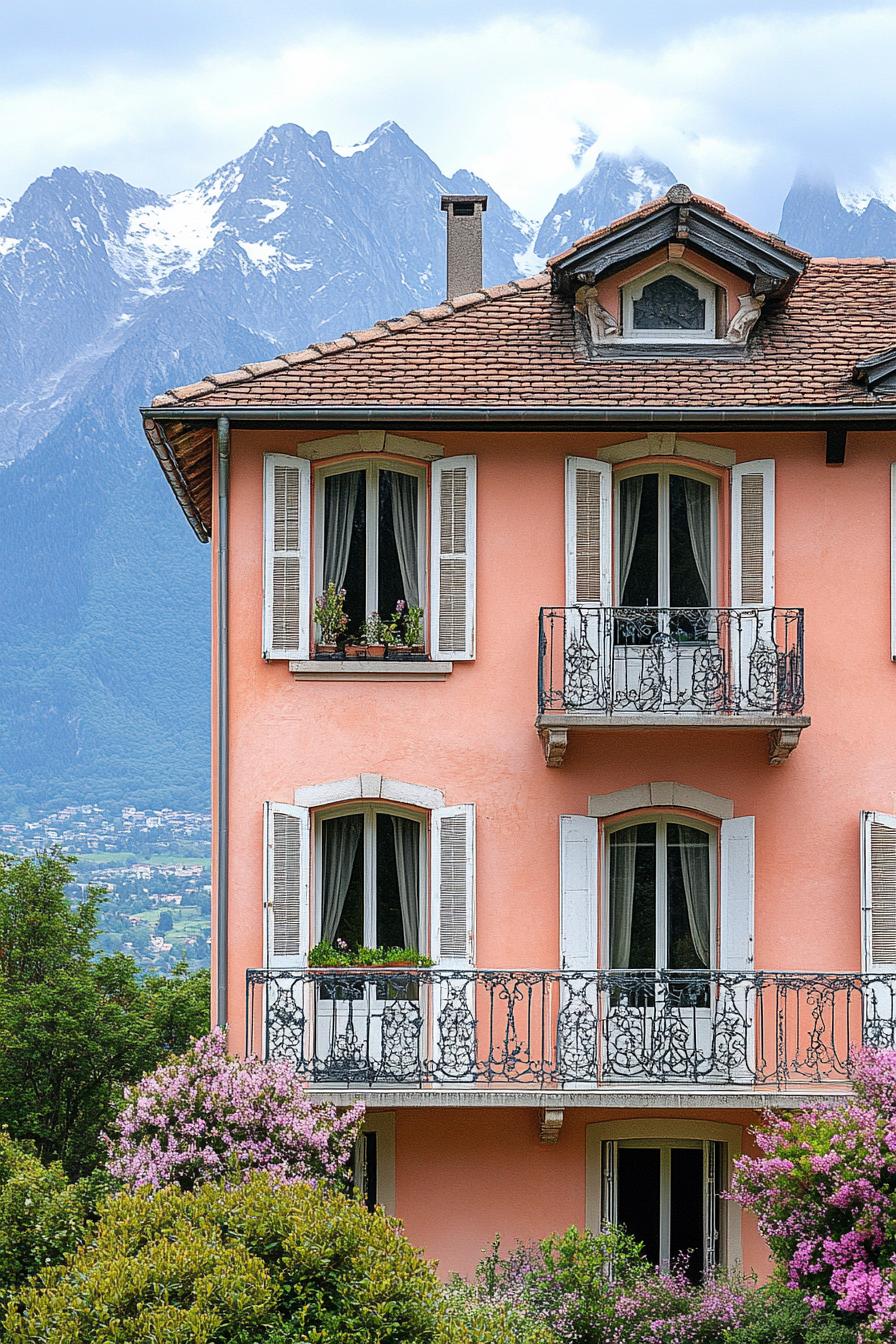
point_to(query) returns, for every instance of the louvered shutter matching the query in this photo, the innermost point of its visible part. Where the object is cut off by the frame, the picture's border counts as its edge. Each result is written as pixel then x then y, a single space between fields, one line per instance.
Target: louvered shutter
pixel 589 532
pixel 453 579
pixel 286 888
pixel 878 892
pixel 287 549
pixel 578 893
pixel 753 534
pixel 737 883
pixel 879 929
pixel 452 887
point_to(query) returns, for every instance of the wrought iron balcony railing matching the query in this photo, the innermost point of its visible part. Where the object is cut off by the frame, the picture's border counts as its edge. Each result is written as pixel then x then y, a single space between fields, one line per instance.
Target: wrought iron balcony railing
pixel 671 661
pixel 579 1029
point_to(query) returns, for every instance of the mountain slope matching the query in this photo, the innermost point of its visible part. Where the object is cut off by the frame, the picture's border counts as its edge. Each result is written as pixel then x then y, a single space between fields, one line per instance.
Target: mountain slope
pixel 610 189
pixel 816 217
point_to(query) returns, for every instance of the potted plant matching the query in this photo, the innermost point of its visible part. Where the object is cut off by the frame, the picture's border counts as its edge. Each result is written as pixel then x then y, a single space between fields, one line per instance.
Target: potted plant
pixel 395 642
pixel 413 629
pixel 373 634
pixel 331 619
pixel 327 956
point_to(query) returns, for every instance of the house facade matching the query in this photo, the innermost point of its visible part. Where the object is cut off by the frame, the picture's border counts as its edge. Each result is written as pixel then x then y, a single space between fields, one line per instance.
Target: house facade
pixel 625 778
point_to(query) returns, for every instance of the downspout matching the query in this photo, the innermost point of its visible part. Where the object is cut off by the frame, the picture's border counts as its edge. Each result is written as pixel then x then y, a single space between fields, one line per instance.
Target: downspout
pixel 223 782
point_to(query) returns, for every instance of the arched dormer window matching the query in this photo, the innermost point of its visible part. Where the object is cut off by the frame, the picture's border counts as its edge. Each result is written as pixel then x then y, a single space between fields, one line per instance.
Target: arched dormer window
pixel 670 303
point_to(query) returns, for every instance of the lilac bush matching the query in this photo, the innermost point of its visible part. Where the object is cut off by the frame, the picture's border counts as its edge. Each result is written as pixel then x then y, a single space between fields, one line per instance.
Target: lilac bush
pixel 824 1192
pixel 208 1116
pixel 598 1289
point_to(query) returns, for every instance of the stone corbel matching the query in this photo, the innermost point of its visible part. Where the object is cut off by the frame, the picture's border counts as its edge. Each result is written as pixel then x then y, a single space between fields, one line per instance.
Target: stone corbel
pixel 781 742
pixel 745 319
pixel 602 325
pixel 550 1122
pixel 553 744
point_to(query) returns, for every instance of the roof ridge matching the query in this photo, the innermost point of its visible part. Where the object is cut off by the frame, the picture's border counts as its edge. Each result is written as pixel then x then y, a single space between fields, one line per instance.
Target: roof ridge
pixel 389 326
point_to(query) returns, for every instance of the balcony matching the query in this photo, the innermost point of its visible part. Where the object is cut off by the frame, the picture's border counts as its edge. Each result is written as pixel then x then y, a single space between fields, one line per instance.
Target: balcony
pixel 661 667
pixel 425 1036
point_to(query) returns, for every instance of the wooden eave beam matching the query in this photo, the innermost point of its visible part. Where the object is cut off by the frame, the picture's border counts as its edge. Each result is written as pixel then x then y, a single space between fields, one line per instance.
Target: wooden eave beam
pixel 835 447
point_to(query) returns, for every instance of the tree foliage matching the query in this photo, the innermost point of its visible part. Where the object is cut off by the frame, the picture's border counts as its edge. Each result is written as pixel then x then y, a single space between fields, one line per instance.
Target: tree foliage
pixel 75 1028
pixel 208 1116
pixel 283 1263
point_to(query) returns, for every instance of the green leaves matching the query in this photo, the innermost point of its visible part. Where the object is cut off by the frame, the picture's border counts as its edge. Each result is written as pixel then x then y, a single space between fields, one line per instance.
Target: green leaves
pixel 75 1028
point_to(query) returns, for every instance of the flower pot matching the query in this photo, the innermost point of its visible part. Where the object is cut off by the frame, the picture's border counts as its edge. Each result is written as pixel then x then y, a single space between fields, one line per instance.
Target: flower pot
pixel 397 651
pixel 355 650
pixel 376 650
pixel 323 650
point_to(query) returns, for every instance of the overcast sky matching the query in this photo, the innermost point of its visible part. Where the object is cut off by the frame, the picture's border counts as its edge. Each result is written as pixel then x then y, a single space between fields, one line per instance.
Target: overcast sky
pixel 734 97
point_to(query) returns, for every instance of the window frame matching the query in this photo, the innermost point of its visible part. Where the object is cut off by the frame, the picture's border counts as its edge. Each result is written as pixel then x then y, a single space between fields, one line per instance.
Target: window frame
pixel 369 812
pixel 660 1130
pixel 706 290
pixel 664 471
pixel 661 927
pixel 371 467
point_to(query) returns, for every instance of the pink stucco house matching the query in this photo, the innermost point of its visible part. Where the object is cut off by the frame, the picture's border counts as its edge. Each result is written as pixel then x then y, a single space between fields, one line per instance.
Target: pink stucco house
pixel 632 792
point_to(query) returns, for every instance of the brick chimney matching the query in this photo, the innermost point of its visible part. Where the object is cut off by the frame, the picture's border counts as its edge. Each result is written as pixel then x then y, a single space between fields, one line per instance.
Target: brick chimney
pixel 464 243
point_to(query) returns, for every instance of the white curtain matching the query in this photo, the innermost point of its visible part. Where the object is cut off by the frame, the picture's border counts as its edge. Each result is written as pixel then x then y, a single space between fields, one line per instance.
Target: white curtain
pixel 341 836
pixel 698 498
pixel 404 523
pixel 623 853
pixel 406 834
pixel 629 515
pixel 694 850
pixel 341 500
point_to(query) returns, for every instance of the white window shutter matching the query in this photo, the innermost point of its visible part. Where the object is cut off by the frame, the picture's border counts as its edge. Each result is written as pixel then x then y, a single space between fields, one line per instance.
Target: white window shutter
pixel 589 532
pixel 452 887
pixel 578 893
pixel 753 534
pixel 878 892
pixel 737 894
pixel 453 565
pixel 287 552
pixel 287 902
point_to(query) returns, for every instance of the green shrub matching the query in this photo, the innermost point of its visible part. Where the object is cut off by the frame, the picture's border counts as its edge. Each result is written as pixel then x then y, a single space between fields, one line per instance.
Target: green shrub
pixel 468 1319
pixel 43 1217
pixel 234 1266
pixel 775 1314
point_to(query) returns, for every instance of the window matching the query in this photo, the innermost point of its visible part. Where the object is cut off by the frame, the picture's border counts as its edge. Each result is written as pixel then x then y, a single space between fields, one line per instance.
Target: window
pixel 670 303
pixel 665 1179
pixel 661 905
pixel 370 878
pixel 371 535
pixel 667 1194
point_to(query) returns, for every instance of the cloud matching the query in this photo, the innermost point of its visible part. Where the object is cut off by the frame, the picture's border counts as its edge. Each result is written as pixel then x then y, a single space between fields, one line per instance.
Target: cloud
pixel 734 105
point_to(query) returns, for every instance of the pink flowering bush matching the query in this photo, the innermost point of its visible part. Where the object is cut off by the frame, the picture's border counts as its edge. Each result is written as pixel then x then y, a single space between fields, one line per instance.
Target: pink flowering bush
pixel 598 1289
pixel 207 1116
pixel 824 1191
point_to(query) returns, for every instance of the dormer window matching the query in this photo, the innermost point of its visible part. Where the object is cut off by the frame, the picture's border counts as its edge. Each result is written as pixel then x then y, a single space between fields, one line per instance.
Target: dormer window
pixel 671 303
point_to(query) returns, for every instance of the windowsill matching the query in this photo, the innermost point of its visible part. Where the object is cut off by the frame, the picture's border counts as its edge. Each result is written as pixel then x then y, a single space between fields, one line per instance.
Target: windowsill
pixel 370 669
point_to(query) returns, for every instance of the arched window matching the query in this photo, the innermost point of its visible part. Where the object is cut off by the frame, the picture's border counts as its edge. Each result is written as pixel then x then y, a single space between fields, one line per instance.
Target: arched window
pixel 665 537
pixel 669 303
pixel 370 536
pixel 370 883
pixel 661 902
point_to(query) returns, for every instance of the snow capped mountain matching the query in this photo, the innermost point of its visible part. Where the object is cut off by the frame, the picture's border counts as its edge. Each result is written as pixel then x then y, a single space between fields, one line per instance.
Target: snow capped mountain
pixel 828 222
pixel 610 188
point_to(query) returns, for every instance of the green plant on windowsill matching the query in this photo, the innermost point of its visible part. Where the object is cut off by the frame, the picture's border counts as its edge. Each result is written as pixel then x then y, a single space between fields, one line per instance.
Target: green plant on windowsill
pixel 338 954
pixel 330 616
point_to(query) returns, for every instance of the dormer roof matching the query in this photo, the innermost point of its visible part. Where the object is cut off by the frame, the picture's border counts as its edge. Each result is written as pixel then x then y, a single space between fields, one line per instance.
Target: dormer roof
pixel 770 265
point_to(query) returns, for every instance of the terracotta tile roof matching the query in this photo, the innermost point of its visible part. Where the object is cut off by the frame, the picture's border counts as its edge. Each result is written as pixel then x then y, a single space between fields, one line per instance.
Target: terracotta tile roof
pixel 517 344
pixel 662 203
